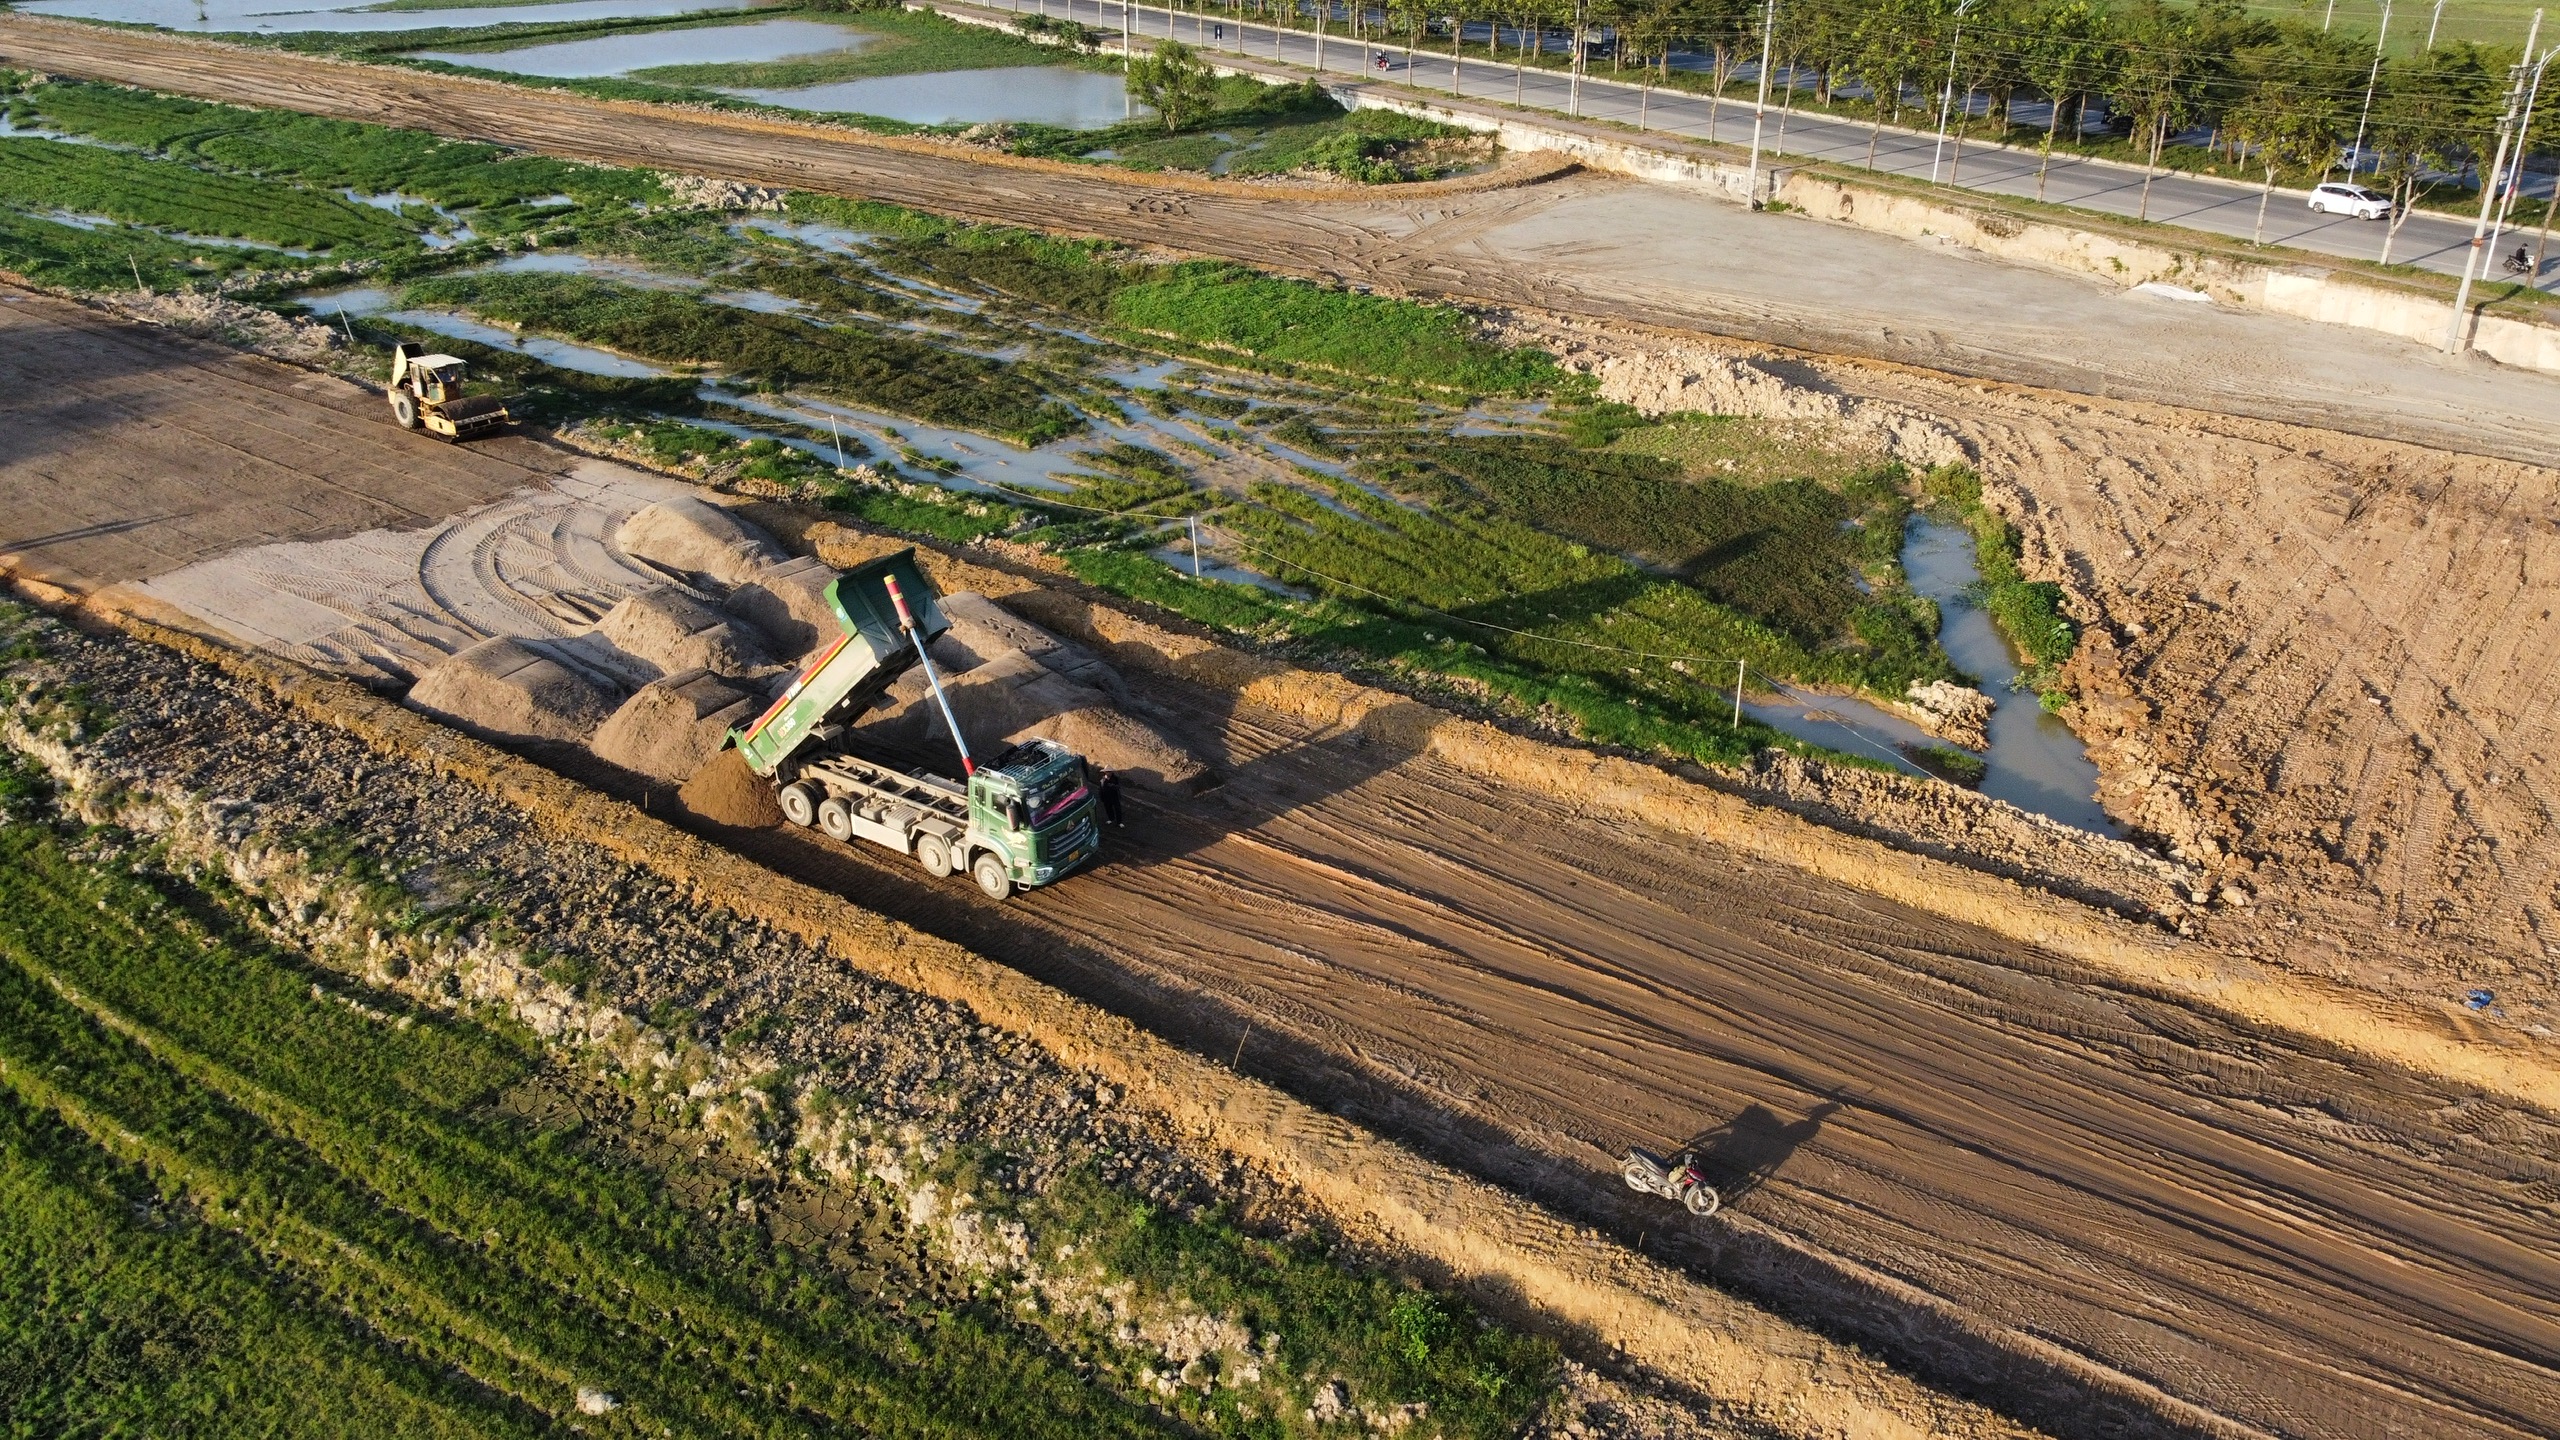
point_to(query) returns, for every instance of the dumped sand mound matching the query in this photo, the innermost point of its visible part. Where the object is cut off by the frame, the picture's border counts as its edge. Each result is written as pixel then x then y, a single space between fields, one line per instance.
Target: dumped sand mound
pixel 725 792
pixel 1014 697
pixel 788 602
pixel 692 537
pixel 671 632
pixel 672 727
pixel 980 631
pixel 505 688
pixel 1116 741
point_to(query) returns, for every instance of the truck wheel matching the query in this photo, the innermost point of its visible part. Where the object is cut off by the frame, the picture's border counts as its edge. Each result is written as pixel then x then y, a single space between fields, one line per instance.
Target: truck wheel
pixel 991 876
pixel 404 408
pixel 835 818
pixel 799 803
pixel 934 854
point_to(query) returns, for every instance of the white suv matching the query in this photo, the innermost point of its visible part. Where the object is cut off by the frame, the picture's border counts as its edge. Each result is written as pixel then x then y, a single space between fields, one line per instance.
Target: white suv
pixel 2355 200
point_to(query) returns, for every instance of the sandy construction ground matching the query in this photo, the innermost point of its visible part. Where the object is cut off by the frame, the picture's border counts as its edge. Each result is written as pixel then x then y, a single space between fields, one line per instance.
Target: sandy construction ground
pixel 2110 1213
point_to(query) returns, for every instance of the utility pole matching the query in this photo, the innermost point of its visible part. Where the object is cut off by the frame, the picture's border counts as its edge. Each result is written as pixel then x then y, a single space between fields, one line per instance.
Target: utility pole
pixel 1573 98
pixel 1737 692
pixel 2434 22
pixel 2355 158
pixel 2454 338
pixel 2513 175
pixel 1760 106
pixel 1128 103
pixel 1947 94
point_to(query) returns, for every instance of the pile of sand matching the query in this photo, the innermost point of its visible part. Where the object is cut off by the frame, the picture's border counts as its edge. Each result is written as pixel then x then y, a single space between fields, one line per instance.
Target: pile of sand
pixel 691 537
pixel 1014 697
pixel 672 727
pixel 788 602
pixel 670 632
pixel 505 688
pixel 725 792
pixel 980 632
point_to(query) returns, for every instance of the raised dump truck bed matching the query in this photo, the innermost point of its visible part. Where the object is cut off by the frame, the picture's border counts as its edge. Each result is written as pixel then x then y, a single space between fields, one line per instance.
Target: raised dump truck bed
pixel 1024 818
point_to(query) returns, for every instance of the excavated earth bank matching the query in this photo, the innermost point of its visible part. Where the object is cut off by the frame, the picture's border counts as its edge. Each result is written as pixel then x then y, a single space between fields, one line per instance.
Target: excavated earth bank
pixel 265 749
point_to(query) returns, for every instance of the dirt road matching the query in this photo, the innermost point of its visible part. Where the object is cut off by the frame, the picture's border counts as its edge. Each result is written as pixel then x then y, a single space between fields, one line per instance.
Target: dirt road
pixel 1588 246
pixel 132 452
pixel 2104 1213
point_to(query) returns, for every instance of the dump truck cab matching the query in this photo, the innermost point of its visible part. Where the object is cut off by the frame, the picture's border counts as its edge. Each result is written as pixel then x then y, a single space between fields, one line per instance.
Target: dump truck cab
pixel 426 394
pixel 1032 806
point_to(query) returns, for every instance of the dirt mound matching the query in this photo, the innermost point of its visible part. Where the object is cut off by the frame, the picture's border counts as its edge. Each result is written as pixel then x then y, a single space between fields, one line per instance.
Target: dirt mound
pixel 504 687
pixel 788 602
pixel 671 632
pixel 693 537
pixel 1014 697
pixel 981 631
pixel 672 727
pixel 725 792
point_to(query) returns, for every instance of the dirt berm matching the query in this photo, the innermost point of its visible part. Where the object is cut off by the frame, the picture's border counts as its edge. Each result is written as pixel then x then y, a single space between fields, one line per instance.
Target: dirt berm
pixel 2498 1061
pixel 1522 1260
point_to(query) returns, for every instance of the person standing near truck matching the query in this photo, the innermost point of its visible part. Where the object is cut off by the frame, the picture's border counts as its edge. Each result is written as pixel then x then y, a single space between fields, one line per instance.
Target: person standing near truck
pixel 1107 790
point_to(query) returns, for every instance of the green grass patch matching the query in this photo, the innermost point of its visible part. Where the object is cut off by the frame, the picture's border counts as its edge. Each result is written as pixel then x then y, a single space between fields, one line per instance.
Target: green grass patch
pixel 1395 1344
pixel 881 369
pixel 1290 323
pixel 359 1150
pixel 141 190
pixel 72 258
pixel 327 154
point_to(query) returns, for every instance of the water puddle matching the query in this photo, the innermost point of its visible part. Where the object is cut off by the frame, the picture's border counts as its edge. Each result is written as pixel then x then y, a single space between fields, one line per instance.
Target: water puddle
pixel 607 55
pixel 834 239
pixel 1039 94
pixel 2036 763
pixel 1852 727
pixel 237 16
pixel 1177 557
pixel 79 221
pixel 365 301
pixel 983 466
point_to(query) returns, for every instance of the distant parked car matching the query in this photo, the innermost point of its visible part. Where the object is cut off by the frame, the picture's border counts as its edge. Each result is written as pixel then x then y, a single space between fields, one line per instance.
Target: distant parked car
pixel 2336 198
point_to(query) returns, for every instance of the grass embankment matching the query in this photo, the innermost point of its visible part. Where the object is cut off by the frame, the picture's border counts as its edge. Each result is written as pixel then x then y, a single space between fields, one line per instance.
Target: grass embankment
pixel 455 1264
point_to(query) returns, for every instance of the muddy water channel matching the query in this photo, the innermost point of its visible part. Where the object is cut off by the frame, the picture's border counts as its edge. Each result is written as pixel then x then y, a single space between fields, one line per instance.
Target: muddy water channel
pixel 2034 762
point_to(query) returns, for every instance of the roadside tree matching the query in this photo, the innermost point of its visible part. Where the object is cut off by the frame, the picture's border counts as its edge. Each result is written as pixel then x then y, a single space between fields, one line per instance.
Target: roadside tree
pixel 2065 56
pixel 1174 83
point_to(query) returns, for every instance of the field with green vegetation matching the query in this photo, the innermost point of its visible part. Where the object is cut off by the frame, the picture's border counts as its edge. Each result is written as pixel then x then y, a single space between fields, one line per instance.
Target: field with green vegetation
pixel 1478 524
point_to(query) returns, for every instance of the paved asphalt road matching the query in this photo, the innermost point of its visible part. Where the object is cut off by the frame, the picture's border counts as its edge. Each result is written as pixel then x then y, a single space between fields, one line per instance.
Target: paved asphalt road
pixel 2226 208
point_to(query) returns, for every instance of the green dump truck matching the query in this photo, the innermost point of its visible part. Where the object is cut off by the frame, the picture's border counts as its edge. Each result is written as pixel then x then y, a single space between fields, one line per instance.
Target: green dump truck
pixel 1020 819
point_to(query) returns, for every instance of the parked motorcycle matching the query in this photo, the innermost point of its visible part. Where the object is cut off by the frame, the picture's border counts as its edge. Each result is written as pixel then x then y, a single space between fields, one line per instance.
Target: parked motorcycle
pixel 1678 1178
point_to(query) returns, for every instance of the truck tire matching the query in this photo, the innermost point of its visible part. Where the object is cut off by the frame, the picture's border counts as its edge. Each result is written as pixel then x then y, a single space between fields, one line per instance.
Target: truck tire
pixel 799 803
pixel 934 854
pixel 835 818
pixel 989 872
pixel 404 408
